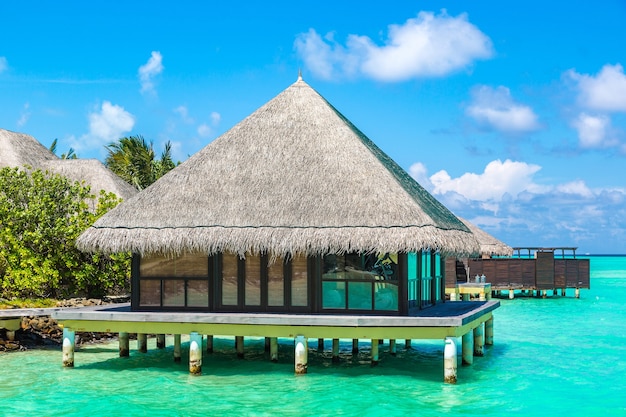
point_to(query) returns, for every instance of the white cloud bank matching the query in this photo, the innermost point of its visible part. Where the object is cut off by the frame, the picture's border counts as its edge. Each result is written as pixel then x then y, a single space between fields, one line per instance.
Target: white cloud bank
pixel 107 124
pixel 496 109
pixel 426 46
pixel 149 71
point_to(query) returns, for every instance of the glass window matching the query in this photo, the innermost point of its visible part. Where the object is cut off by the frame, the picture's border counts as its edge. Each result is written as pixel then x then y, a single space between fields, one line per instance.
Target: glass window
pixel 197 293
pixel 386 297
pixel 156 266
pixel 253 280
pixel 333 294
pixel 276 283
pixel 192 265
pixel 299 281
pixel 173 293
pixel 229 279
pixel 150 293
pixel 360 295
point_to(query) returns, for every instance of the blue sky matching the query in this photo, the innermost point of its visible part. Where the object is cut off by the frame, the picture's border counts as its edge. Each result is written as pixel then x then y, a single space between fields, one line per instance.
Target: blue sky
pixel 514 116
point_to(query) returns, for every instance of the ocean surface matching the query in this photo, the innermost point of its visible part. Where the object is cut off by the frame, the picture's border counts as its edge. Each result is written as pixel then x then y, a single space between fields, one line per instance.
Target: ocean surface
pixel 555 356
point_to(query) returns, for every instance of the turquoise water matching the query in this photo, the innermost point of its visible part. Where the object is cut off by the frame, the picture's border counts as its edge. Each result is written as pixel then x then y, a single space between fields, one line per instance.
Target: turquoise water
pixel 553 356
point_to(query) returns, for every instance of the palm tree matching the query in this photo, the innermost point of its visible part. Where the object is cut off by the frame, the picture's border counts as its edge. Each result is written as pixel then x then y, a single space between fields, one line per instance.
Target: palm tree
pixel 69 155
pixel 134 160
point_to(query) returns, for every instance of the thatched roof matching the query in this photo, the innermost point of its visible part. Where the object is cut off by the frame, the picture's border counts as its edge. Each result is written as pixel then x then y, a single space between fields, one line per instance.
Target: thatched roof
pixel 19 150
pixel 24 151
pixel 293 177
pixel 93 173
pixel 489 245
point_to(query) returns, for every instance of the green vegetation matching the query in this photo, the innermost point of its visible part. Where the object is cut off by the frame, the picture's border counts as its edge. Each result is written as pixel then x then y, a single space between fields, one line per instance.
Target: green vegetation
pixel 27 303
pixel 41 215
pixel 134 160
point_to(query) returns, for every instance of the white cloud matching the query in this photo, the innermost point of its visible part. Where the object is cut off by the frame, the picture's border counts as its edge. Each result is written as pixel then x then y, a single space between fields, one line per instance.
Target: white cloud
pixel 593 131
pixel 577 187
pixel 498 180
pixel 24 116
pixel 107 124
pixel 215 118
pixel 204 130
pixel 606 91
pixel 183 112
pixel 420 174
pixel 149 71
pixel 426 46
pixel 497 109
pixel 3 64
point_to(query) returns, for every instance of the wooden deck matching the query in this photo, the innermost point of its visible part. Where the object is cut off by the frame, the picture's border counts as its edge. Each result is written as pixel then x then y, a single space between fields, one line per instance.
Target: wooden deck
pixel 451 319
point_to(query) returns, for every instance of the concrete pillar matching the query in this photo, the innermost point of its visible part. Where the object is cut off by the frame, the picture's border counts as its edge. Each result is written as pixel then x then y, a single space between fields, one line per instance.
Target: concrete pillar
pixel 142 342
pixel 374 352
pixel 195 353
pixel 392 347
pixel 176 348
pixel 563 292
pixel 482 296
pixel 124 344
pixel 301 355
pixel 467 348
pixel 69 343
pixel 335 350
pixel 239 346
pixel 449 361
pixel 489 332
pixel 407 344
pixel 453 296
pixel 577 293
pixel 355 346
pixel 274 349
pixel 160 341
pixel 209 343
pixel 479 340
pixel 511 294
pixel 466 297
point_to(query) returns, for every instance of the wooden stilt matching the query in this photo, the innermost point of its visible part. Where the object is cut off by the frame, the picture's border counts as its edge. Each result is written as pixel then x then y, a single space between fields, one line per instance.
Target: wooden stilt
pixel 177 348
pixel 449 361
pixel 267 344
pixel 301 355
pixel 466 297
pixel 563 292
pixel 467 348
pixel 160 341
pixel 320 345
pixel 453 296
pixel 69 343
pixel 355 346
pixel 577 293
pixel 511 294
pixel 374 352
pixel 479 340
pixel 195 353
pixel 407 344
pixel 489 332
pixel 392 347
pixel 209 343
pixel 335 350
pixel 274 349
pixel 239 346
pixel 124 344
pixel 142 342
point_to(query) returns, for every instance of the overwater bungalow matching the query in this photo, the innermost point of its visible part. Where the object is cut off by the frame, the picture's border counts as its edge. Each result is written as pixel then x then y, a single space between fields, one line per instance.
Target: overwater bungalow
pixel 292 224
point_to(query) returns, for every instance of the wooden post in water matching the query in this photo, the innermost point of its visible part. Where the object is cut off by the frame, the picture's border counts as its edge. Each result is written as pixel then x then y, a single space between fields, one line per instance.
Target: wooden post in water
pixel 355 346
pixel 467 348
pixel 577 293
pixel 479 340
pixel 489 332
pixel 176 348
pixel 301 355
pixel 274 349
pixel 160 341
pixel 320 345
pixel 124 344
pixel 267 345
pixel 392 347
pixel 195 353
pixel 407 344
pixel 449 361
pixel 142 342
pixel 239 346
pixel 69 343
pixel 374 352
pixel 209 343
pixel 563 292
pixel 511 294
pixel 335 350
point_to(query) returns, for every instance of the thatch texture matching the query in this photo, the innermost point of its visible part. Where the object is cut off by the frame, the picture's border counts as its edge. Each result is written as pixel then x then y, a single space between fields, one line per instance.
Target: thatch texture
pixel 24 151
pixel 293 177
pixel 489 245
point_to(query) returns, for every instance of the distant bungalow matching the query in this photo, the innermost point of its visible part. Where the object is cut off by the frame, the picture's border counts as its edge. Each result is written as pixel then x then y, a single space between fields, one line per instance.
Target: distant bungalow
pixel 292 224
pixel 18 150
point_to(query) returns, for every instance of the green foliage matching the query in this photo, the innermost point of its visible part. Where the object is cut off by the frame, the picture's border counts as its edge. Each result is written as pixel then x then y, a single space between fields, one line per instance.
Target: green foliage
pixel 69 155
pixel 134 160
pixel 41 215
